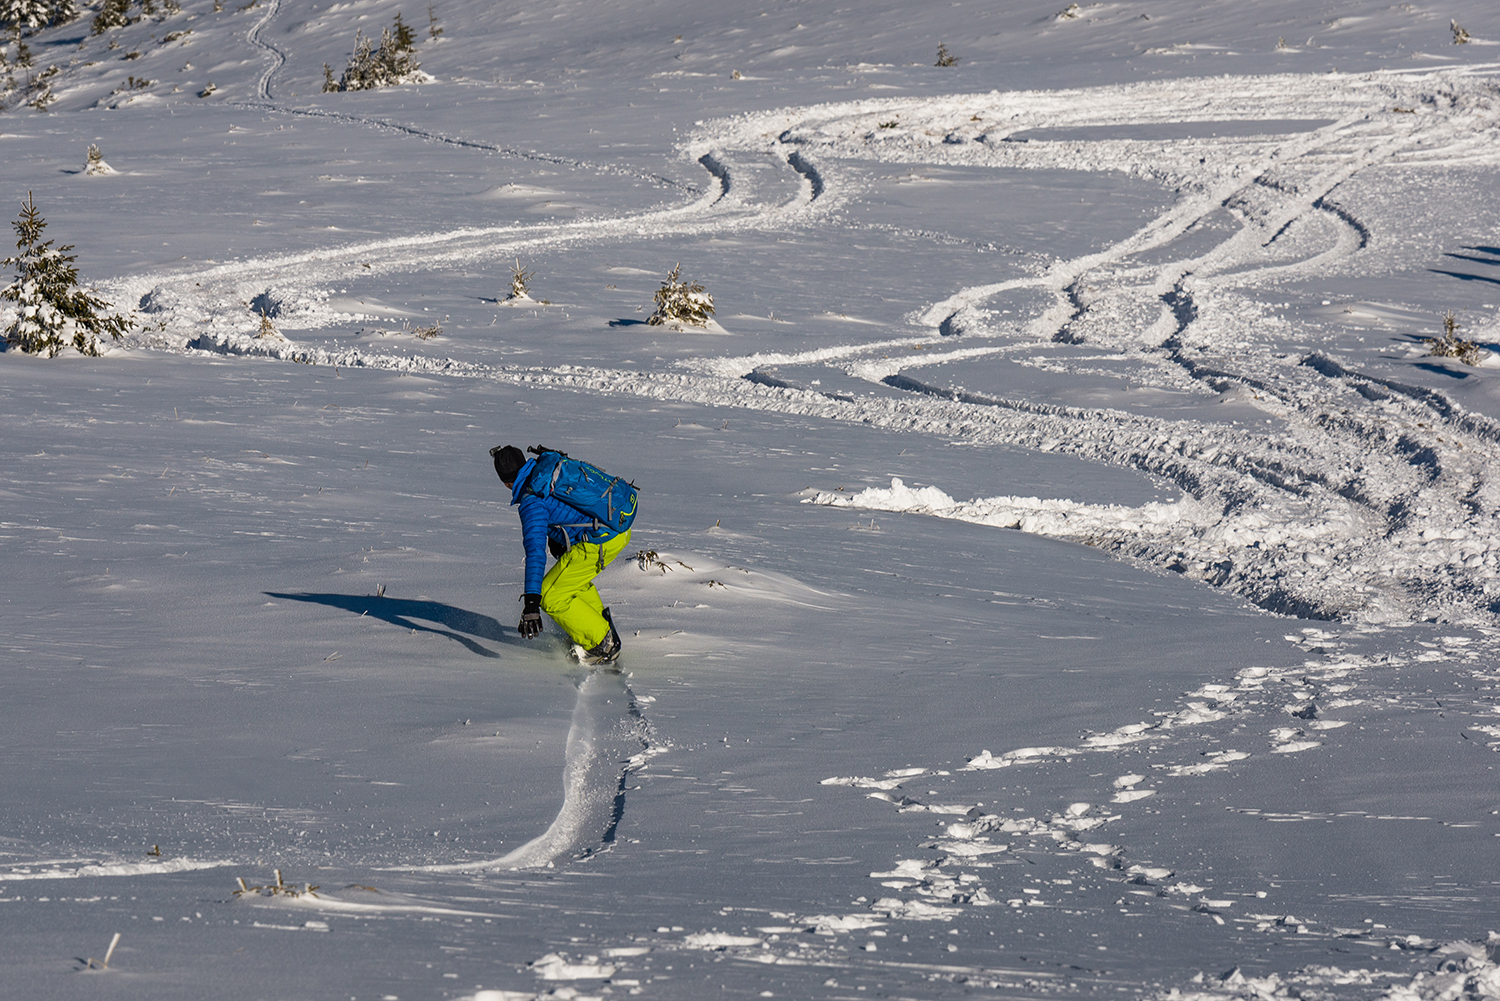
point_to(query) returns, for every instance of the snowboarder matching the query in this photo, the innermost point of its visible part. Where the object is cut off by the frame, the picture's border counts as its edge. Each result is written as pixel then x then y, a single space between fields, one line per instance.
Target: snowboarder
pixel 585 532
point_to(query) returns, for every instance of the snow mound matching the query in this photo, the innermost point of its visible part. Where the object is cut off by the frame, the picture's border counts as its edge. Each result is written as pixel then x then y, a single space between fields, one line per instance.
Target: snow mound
pixel 1039 516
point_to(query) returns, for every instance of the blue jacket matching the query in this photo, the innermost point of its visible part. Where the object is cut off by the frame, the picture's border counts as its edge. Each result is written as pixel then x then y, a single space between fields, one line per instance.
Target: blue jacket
pixel 544 518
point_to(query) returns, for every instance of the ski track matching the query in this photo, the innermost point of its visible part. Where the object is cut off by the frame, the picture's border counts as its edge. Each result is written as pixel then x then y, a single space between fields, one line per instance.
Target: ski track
pixel 275 56
pixel 1372 501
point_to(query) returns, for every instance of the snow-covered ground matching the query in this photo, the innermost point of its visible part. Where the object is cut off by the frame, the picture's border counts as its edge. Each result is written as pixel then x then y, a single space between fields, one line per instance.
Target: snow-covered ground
pixel 1063 569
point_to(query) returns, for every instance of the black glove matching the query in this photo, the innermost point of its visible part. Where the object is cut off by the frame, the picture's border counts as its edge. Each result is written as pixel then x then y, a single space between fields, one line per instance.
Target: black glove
pixel 557 549
pixel 531 616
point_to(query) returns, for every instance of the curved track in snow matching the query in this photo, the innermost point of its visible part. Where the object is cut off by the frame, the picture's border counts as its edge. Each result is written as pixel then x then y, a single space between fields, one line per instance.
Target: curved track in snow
pixel 276 56
pixel 607 737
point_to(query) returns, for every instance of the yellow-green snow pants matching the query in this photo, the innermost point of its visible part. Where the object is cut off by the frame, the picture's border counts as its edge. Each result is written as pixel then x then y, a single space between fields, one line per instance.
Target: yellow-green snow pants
pixel 569 595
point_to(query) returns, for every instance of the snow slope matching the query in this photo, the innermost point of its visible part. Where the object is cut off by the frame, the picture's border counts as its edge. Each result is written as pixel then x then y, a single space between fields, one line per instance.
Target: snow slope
pixel 1063 569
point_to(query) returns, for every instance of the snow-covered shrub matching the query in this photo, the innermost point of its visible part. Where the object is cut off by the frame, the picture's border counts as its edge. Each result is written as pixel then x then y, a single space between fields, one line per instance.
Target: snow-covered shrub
pixel 1450 345
pixel 519 277
pixel 679 302
pixel 113 14
pixel 116 13
pixel 34 90
pixel 1460 36
pixel 21 15
pixel 944 57
pixel 369 67
pixel 52 311
pixel 95 166
pixel 132 84
pixel 268 329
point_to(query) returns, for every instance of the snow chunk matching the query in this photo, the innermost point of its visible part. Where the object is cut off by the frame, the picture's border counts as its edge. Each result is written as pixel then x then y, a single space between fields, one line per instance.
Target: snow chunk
pixel 554 966
pixel 718 940
pixel 834 923
pixel 861 782
pixel 969 849
pixel 1037 515
pixel 914 910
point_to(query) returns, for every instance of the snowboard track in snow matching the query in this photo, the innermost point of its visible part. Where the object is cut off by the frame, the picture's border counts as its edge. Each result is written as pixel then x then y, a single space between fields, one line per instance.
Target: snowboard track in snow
pixel 1367 499
pixel 608 737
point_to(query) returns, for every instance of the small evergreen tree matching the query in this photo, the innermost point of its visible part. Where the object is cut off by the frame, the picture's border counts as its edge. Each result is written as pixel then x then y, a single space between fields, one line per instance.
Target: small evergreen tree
pixel 53 310
pixel 40 88
pixel 433 31
pixel 387 66
pixel 7 80
pixel 405 39
pixel 1450 345
pixel 268 329
pixel 22 15
pixel 19 15
pixel 519 279
pixel 95 165
pixel 679 302
pixel 114 14
pixel 944 58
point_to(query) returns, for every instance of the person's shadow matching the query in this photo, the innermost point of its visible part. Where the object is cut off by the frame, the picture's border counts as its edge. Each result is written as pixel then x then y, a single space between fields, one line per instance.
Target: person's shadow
pixel 401 612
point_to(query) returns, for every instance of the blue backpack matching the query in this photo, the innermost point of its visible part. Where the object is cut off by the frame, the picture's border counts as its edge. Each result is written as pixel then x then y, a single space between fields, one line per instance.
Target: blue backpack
pixel 608 501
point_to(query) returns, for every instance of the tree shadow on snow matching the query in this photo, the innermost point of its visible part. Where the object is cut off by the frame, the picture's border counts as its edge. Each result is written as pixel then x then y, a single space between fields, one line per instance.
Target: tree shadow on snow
pixel 1476 260
pixel 1465 278
pixel 1441 370
pixel 402 612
